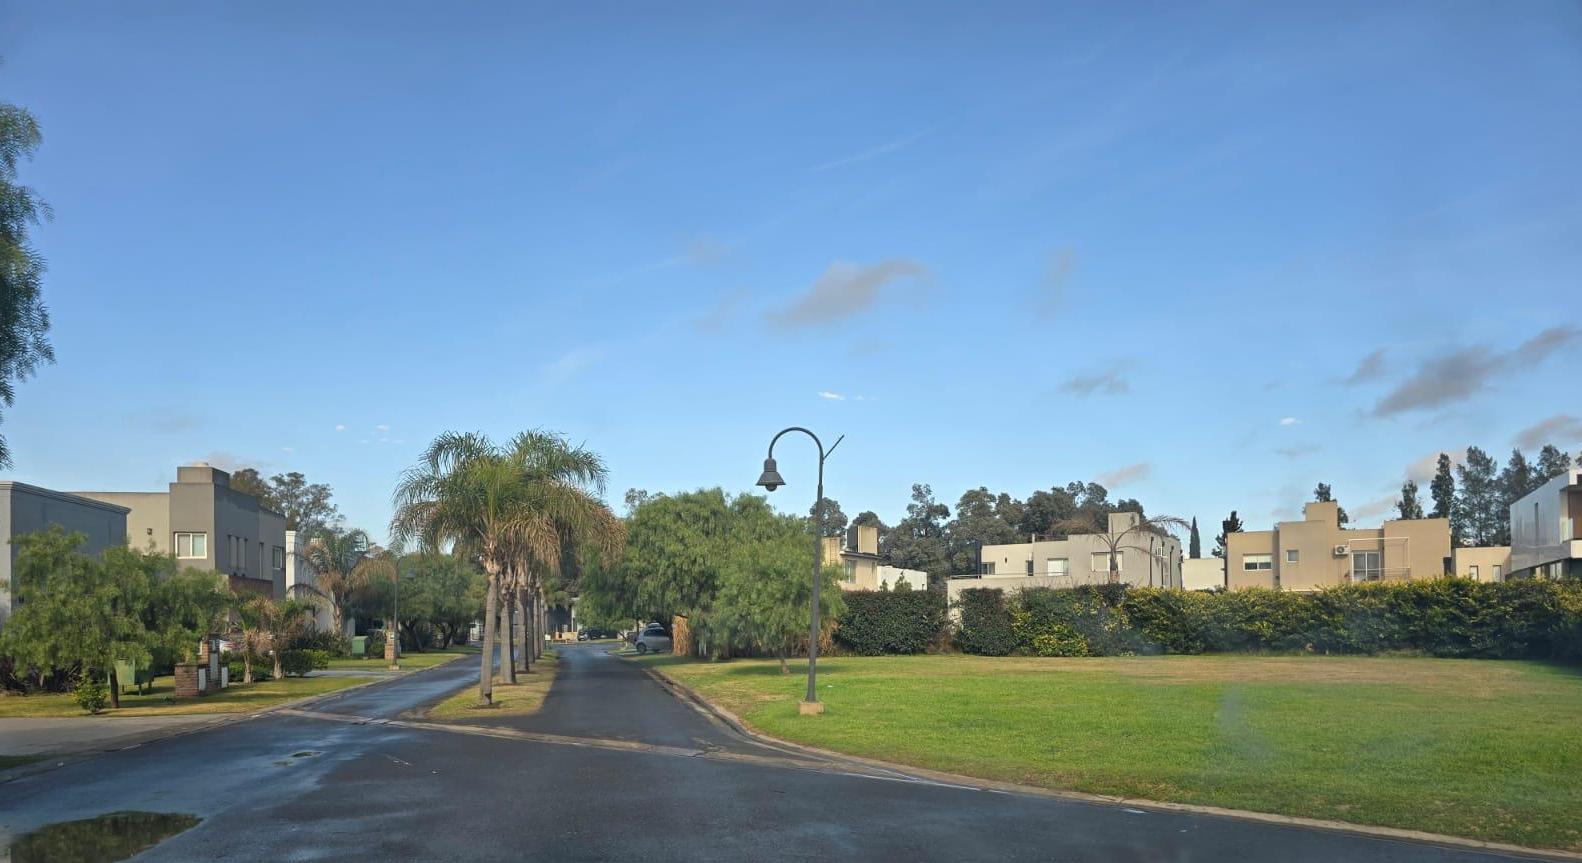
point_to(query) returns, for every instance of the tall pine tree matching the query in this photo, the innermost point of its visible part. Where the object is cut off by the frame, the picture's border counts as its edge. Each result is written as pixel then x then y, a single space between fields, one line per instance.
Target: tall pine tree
pixel 1443 492
pixel 1195 543
pixel 1228 526
pixel 1552 462
pixel 1322 494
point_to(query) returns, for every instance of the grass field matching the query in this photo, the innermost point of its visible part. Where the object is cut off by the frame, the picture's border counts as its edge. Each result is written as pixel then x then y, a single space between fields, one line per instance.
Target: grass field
pixel 238 698
pixel 1482 749
pixel 522 699
pixel 9 761
pixel 409 661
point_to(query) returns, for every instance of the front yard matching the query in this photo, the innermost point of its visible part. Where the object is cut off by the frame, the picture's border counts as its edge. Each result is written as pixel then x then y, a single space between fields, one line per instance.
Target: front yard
pixel 1482 749
pixel 409 661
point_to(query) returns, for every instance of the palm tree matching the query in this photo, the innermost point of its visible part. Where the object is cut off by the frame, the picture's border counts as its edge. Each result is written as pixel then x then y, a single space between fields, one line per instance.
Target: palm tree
pixel 267 626
pixel 341 565
pixel 506 505
pixel 1117 541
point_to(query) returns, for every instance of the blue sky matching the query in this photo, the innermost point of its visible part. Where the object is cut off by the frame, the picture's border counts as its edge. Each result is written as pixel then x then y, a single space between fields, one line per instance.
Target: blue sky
pixel 1023 244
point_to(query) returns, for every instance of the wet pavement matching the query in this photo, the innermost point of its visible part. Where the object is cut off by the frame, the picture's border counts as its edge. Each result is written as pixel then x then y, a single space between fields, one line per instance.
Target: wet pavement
pixel 612 767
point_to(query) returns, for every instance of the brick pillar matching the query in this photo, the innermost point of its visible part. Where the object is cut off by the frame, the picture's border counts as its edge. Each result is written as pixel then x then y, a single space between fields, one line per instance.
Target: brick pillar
pixel 187 681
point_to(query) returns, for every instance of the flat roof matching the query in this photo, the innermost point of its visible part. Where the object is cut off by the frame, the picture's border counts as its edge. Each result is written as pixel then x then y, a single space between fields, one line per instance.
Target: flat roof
pixel 64 496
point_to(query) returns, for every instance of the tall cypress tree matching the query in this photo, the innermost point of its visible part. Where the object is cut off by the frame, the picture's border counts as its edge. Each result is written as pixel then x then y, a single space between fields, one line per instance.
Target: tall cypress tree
pixel 1195 544
pixel 1480 504
pixel 1226 527
pixel 1443 491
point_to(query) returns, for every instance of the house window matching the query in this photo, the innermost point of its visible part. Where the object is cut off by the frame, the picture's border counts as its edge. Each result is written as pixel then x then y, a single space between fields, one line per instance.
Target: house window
pixel 1367 565
pixel 1256 562
pixel 851 571
pixel 192 545
pixel 1101 561
pixel 988 568
pixel 1057 566
pixel 1497 572
pixel 1293 555
pixel 280 558
pixel 1472 573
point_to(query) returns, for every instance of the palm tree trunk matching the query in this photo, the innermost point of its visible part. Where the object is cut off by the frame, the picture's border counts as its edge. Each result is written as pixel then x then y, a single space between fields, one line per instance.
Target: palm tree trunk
pixel 279 675
pixel 527 634
pixel 247 666
pixel 539 624
pixel 508 645
pixel 486 674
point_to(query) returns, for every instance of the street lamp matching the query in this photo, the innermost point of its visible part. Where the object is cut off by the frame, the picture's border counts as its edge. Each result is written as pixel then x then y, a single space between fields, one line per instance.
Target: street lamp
pixel 771 480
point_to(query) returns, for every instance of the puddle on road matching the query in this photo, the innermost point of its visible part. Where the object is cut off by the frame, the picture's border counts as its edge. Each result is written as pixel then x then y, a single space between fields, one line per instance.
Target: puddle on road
pixel 306 753
pixel 103 839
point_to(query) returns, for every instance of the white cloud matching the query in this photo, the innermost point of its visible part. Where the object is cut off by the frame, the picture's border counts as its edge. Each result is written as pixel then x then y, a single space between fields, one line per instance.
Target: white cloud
pixel 844 291
pixel 1290 421
pixel 1422 470
pixel 340 427
pixel 834 397
pixel 1373 509
pixel 1123 475
pixel 288 449
pixel 1561 429
pixel 382 427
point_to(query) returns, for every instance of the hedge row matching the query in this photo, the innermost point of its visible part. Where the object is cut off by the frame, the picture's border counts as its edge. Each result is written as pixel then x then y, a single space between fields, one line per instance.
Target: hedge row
pixel 904 621
pixel 1449 617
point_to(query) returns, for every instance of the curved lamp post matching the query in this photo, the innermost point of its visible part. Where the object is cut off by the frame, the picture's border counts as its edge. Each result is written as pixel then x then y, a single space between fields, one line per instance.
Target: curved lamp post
pixel 771 480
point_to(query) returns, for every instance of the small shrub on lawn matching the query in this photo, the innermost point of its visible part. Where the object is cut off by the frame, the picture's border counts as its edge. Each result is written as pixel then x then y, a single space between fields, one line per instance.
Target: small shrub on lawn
pixel 92 696
pixel 318 659
pixel 374 647
pixel 297 663
pixel 878 622
pixel 333 643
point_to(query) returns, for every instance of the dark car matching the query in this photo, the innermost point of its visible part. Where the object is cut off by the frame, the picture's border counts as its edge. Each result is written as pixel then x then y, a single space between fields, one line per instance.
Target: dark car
pixel 593 633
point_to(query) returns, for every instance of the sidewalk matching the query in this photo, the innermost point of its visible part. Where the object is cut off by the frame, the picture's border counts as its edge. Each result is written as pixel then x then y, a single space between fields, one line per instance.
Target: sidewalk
pixel 61 735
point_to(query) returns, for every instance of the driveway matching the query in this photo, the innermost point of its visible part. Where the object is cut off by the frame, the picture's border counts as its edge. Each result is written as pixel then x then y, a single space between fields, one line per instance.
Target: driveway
pixel 613 767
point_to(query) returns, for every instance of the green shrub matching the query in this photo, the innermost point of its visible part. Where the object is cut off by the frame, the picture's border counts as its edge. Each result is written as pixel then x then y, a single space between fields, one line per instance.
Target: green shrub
pixel 374 647
pixel 296 662
pixel 333 643
pixel 318 659
pixel 92 695
pixel 985 626
pixel 1447 617
pixel 878 622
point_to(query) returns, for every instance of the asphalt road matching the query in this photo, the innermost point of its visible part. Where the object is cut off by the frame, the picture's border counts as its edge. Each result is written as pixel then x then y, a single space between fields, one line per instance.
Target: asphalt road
pixel 648 778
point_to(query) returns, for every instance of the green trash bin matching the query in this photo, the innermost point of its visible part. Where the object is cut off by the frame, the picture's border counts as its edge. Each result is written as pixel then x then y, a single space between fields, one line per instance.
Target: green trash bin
pixel 129 674
pixel 359 645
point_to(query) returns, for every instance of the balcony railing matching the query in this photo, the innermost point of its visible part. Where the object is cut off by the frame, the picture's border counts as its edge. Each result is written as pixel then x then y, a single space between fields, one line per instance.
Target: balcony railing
pixel 1403 573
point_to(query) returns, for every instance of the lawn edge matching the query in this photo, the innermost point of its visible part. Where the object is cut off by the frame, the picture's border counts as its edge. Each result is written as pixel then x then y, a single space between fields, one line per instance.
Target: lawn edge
pixel 50 762
pixel 686 693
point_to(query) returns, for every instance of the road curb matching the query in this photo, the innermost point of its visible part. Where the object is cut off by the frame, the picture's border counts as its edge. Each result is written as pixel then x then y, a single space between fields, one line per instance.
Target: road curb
pixel 687 693
pixel 133 741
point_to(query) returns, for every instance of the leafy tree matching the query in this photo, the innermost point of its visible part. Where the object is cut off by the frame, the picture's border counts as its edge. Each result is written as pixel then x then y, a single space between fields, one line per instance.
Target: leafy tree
pixel 1479 505
pixel 341 564
pixel 1552 462
pixel 868 518
pixel 833 522
pixel 1322 494
pixel 636 497
pixel 1228 526
pixel 1517 480
pixel 919 541
pixel 1195 543
pixel 266 627
pixel 1409 506
pixel 982 518
pixel 305 505
pixel 1045 509
pixel 675 546
pixel 24 320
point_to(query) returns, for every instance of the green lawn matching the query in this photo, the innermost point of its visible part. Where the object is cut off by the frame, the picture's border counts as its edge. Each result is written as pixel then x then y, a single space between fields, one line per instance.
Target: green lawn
pixel 1483 749
pixel 522 699
pixel 9 761
pixel 238 698
pixel 409 661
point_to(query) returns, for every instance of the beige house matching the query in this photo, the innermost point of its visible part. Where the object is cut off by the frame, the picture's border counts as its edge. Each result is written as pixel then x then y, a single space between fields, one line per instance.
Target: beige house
pixel 859 555
pixel 208 525
pixel 1546 529
pixel 1490 563
pixel 1317 552
pixel 1144 558
pixel 1202 573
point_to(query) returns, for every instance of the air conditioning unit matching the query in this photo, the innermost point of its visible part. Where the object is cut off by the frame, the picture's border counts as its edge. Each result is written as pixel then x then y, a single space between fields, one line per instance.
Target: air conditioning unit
pixel 1342 550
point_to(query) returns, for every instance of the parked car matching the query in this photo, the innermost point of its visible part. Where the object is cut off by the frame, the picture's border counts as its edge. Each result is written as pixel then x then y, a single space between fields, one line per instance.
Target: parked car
pixel 653 639
pixel 593 633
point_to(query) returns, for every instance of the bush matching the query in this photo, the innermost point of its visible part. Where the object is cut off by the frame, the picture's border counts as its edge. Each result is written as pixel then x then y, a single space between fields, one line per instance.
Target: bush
pixel 91 695
pixel 985 626
pixel 1447 617
pixel 318 659
pixel 374 647
pixel 333 643
pixel 298 662
pixel 878 622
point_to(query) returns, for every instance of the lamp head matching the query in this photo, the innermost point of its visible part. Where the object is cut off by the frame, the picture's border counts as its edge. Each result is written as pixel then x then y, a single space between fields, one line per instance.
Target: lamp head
pixel 770 479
